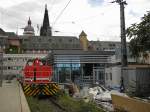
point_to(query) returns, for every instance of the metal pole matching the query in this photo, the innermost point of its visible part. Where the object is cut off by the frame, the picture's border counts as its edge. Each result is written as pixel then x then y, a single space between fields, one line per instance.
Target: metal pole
pixel 123 41
pixel 123 36
pixel 123 45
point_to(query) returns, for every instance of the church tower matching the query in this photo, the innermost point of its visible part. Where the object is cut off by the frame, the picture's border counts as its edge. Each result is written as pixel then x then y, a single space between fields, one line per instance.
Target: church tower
pixel 83 41
pixel 29 30
pixel 46 29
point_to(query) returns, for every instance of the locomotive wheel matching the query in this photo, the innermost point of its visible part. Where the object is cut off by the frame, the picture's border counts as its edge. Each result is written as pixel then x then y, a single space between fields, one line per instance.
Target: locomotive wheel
pixel 50 89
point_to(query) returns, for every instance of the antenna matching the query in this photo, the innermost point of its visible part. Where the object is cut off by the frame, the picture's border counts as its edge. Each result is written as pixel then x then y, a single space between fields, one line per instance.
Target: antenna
pixel 17 30
pixel 38 28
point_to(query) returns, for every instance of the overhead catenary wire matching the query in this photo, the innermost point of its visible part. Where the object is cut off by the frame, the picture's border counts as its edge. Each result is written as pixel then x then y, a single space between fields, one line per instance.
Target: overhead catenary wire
pixel 89 18
pixel 61 12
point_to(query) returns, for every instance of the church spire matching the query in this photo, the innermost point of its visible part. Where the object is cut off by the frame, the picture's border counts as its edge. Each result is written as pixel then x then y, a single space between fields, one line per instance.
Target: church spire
pixel 29 22
pixel 45 6
pixel 46 18
pixel 46 29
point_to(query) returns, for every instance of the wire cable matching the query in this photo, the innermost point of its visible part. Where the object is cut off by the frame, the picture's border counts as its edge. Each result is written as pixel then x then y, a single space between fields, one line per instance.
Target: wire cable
pixel 61 13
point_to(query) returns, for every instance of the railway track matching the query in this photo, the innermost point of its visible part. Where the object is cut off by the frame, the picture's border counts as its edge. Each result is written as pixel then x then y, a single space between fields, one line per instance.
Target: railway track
pixel 58 106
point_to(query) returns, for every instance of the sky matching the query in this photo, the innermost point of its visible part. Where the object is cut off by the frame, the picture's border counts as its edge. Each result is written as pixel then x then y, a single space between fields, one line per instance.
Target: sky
pixel 99 19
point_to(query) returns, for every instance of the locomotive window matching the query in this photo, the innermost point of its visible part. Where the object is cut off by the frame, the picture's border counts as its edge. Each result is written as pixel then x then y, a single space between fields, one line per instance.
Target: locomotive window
pixel 30 63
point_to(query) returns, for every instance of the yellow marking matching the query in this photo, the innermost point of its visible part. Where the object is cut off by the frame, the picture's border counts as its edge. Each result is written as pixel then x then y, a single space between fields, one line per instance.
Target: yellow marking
pixel 48 91
pixel 47 86
pixel 55 90
pixel 50 86
pixel 44 92
pixel 26 86
pixel 52 91
pixel 55 86
pixel 27 89
pixel 28 93
pixel 36 92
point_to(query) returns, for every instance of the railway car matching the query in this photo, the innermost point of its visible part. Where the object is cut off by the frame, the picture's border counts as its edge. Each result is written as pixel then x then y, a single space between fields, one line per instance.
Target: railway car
pixel 37 79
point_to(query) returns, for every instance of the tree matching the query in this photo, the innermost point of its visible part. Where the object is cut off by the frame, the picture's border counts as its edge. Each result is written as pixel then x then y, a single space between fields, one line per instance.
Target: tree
pixel 139 35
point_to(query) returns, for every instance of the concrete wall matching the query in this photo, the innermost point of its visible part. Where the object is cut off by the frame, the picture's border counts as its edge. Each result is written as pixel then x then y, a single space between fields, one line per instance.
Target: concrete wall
pixel 14 63
pixel 129 104
pixel 112 76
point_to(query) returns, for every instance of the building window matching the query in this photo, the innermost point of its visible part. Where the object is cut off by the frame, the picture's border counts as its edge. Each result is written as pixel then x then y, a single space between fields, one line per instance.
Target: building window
pixel 9 59
pixel 39 51
pixel 39 39
pixel 110 76
pixel 49 40
pixel 70 40
pixel 106 76
pixel 25 39
pixel 60 40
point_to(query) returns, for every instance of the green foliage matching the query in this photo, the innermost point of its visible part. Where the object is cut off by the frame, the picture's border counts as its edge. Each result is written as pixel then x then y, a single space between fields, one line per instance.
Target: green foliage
pixel 12 50
pixel 140 37
pixel 67 102
pixel 72 105
pixel 39 105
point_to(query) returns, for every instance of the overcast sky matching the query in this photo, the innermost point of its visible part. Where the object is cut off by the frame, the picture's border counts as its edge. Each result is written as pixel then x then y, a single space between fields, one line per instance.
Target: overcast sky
pixel 98 18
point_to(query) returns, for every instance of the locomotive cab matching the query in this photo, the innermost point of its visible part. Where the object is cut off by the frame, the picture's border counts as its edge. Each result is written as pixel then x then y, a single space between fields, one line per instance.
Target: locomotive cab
pixel 37 71
pixel 37 75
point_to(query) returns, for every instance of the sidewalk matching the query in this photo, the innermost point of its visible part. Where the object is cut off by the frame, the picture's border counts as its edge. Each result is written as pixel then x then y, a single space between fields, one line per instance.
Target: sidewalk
pixel 12 98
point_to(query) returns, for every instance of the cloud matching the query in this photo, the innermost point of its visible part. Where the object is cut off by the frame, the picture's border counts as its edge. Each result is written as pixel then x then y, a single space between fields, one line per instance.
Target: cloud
pixel 17 15
pixel 95 2
pixel 133 13
pixel 98 18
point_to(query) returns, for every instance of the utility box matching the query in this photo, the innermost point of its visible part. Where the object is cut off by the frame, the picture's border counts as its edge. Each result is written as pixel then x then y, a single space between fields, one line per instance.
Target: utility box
pixel 137 80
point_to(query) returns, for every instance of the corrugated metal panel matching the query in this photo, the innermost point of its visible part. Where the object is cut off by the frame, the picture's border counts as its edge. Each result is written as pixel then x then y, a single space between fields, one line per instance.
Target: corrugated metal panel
pixel 137 80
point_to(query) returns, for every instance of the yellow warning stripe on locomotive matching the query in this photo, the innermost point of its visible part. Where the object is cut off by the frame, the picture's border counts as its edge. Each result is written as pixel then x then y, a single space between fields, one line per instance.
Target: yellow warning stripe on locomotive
pixel 35 90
